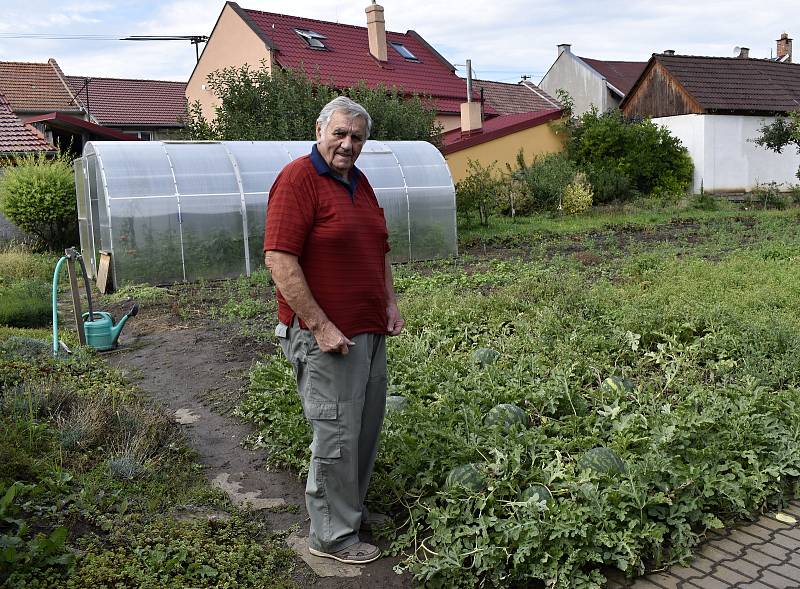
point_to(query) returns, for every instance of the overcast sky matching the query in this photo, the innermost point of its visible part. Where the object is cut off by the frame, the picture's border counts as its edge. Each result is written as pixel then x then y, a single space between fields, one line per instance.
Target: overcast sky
pixel 504 38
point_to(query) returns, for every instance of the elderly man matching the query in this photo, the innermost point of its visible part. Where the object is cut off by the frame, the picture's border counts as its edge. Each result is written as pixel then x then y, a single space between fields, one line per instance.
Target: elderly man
pixel 326 246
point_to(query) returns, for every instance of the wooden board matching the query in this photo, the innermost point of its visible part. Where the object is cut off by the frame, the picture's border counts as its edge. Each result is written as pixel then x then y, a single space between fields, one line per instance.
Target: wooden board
pixel 76 300
pixel 104 282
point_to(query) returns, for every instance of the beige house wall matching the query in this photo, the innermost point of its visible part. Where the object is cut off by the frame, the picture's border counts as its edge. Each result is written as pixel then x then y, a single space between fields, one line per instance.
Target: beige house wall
pixel 449 122
pixel 231 44
pixel 503 150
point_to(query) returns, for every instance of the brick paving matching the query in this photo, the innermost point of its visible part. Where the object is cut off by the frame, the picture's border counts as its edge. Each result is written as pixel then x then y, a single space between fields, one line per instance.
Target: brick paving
pixel 764 554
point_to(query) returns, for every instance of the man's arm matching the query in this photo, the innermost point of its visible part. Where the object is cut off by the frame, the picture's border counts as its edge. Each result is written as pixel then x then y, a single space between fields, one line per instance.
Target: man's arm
pixel 396 321
pixel 290 280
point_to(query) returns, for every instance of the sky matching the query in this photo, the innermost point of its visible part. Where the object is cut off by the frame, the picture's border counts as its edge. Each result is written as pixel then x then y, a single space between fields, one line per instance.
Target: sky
pixel 505 39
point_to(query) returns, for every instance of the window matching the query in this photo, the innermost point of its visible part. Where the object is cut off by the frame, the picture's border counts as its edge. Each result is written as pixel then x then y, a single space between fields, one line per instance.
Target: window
pixel 403 50
pixel 313 39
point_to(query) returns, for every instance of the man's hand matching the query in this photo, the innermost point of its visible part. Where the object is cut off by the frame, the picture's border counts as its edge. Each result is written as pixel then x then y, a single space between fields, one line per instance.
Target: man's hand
pixel 330 339
pixel 396 322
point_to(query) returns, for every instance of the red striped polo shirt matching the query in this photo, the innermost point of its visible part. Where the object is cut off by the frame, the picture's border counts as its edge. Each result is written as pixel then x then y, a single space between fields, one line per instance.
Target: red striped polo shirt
pixel 340 240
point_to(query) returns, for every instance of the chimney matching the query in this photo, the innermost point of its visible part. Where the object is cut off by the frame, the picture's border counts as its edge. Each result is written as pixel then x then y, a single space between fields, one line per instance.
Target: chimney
pixel 744 53
pixel 669 52
pixel 564 47
pixel 785 48
pixel 470 111
pixel 376 27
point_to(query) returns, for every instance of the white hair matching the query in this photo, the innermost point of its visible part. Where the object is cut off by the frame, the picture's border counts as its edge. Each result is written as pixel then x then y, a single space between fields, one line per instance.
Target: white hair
pixel 349 107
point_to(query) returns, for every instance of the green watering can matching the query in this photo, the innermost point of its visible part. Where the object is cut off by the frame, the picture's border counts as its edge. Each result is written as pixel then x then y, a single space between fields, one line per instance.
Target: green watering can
pixel 101 332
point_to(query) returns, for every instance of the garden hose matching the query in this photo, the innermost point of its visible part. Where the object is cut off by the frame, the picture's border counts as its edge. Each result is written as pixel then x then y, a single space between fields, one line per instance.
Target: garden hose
pixel 55 305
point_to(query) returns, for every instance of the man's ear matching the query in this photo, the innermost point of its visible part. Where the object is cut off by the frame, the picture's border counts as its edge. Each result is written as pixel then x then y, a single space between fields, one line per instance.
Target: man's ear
pixel 319 132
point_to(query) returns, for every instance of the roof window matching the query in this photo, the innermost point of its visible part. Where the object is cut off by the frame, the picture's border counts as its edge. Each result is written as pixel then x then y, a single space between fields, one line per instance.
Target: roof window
pixel 403 50
pixel 313 38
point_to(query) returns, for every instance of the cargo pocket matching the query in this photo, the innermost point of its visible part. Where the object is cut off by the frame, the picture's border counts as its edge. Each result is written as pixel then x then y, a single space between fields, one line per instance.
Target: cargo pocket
pixel 325 423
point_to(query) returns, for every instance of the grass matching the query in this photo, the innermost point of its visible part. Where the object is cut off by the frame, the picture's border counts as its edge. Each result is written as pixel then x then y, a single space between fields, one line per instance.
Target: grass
pixel 88 467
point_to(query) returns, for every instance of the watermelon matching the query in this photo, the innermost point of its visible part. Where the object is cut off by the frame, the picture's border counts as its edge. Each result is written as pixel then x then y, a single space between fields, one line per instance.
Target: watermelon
pixel 602 460
pixel 537 492
pixel 507 414
pixel 617 385
pixel 396 404
pixel 485 356
pixel 466 476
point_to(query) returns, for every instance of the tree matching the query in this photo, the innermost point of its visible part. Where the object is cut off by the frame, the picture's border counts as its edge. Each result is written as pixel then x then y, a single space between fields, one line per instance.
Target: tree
pixel 782 132
pixel 283 104
pixel 37 194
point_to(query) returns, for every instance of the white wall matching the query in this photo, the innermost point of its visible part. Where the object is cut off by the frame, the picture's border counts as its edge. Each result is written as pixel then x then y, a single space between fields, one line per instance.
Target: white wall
pixel 584 85
pixel 725 157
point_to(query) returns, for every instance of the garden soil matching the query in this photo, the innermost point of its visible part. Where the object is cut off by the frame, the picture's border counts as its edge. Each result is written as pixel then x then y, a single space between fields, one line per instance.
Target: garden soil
pixel 197 369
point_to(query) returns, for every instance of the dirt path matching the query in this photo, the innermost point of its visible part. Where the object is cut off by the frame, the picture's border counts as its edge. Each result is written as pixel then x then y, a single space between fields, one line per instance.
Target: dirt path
pixel 198 371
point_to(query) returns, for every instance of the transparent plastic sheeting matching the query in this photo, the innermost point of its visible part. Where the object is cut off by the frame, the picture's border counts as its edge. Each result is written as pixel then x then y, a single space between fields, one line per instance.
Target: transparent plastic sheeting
pixel 183 211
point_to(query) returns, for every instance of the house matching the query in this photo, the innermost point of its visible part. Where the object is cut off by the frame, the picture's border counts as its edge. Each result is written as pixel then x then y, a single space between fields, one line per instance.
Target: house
pixel 342 55
pixel 590 82
pixel 148 109
pixel 499 140
pixel 716 107
pixel 70 110
pixel 508 99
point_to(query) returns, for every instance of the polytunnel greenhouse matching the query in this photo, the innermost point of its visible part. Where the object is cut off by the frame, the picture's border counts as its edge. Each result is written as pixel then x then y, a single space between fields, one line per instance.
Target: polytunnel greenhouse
pixel 182 211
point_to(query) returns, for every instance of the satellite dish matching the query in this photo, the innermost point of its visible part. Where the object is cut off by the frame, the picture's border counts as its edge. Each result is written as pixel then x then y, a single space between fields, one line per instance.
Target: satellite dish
pixel 736 51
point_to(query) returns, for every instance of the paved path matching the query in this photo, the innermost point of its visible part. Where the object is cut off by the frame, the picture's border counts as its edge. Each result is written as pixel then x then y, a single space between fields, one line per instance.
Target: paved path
pixel 762 555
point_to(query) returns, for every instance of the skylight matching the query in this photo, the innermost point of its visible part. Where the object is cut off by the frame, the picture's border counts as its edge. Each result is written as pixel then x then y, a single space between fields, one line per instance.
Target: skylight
pixel 403 50
pixel 313 38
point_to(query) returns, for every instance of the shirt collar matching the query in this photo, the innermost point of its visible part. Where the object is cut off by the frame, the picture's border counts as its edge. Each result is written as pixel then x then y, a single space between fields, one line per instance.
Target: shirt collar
pixel 323 169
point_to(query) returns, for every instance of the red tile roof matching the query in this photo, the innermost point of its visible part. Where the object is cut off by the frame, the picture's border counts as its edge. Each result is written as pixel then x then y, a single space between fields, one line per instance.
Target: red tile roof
pixel 15 136
pixel 131 103
pixel 497 127
pixel 347 59
pixel 731 84
pixel 36 87
pixel 621 74
pixel 510 99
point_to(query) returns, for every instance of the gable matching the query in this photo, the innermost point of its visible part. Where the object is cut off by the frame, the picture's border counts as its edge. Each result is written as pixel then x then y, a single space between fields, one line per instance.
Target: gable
pixel 658 94
pixel 36 87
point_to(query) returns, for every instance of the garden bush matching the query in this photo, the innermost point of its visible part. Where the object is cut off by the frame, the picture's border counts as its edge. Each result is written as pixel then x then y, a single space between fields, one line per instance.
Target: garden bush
pixel 609 184
pixel 577 195
pixel 37 195
pixel 544 181
pixel 651 158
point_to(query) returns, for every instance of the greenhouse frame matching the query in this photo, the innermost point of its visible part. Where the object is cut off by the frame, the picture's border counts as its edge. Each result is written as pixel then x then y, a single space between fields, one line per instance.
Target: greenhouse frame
pixel 177 211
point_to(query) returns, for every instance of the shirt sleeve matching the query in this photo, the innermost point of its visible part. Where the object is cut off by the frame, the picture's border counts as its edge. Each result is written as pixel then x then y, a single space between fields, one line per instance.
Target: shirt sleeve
pixel 290 213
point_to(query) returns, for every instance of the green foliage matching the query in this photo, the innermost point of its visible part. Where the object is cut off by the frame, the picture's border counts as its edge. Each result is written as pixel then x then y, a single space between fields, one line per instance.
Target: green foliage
pixel 708 331
pixel 577 196
pixel 769 195
pixel 88 469
pixel 18 263
pixel 477 192
pixel 543 181
pixel 283 104
pixel 645 153
pixel 609 183
pixel 781 133
pixel 37 194
pixel 26 303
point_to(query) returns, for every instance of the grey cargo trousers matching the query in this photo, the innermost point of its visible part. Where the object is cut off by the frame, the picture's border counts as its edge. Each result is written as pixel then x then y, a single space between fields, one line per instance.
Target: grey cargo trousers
pixel 344 399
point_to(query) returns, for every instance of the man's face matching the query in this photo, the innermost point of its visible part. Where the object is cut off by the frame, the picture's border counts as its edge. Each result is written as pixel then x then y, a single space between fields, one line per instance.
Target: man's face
pixel 341 141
